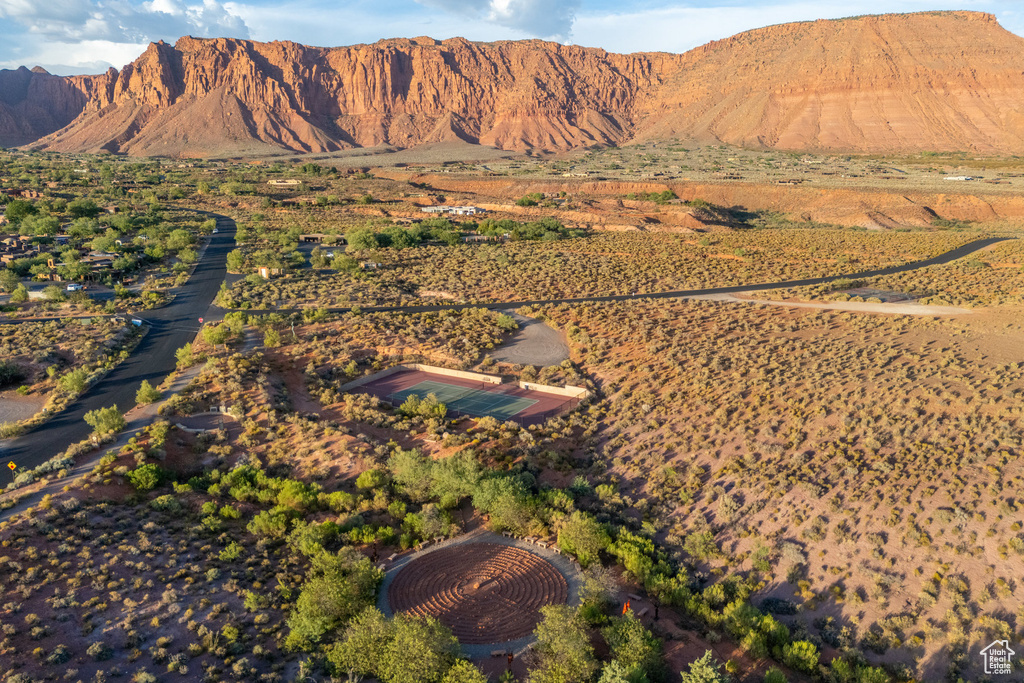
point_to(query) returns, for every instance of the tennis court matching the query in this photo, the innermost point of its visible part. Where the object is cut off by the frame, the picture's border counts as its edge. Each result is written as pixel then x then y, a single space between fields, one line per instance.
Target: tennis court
pixel 466 400
pixel 472 395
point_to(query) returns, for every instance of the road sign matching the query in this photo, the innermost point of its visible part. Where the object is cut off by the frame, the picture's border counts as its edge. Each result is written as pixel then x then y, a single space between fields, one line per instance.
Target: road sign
pixel 12 465
pixel 200 321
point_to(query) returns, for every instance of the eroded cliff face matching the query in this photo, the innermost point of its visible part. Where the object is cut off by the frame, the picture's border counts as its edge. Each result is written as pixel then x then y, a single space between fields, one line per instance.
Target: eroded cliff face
pixel 929 81
pixel 941 81
pixel 34 103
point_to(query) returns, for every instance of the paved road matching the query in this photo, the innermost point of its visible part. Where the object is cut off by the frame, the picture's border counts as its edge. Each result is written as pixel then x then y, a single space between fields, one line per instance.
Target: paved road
pixel 171 327
pixel 947 257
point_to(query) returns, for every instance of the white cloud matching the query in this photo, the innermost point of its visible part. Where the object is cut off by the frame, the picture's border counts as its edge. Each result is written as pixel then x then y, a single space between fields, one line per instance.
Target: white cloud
pixel 308 22
pixel 539 18
pixel 678 28
pixel 69 34
pixel 85 36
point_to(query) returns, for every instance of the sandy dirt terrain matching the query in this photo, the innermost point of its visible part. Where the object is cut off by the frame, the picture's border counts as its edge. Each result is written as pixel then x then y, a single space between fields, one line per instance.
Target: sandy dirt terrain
pixel 859 306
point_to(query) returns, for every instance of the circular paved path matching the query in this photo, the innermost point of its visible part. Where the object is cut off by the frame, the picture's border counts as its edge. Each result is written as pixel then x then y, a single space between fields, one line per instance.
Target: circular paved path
pixel 487 589
pixel 483 592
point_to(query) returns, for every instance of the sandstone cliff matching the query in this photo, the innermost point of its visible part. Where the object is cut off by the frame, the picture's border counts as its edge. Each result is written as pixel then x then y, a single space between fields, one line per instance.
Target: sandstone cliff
pixel 928 81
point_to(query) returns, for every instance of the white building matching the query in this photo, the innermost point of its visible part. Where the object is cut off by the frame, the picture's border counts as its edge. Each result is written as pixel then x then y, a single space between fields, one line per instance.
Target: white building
pixel 455 210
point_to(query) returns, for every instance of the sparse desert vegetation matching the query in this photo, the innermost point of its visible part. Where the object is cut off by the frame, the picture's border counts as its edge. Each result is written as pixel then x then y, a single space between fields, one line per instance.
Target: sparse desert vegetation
pixel 797 494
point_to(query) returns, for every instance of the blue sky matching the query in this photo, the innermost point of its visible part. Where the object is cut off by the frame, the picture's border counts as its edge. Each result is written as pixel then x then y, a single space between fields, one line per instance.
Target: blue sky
pixel 88 36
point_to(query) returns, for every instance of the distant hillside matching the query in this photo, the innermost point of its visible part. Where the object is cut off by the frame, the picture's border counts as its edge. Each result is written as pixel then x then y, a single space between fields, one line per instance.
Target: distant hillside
pixel 890 83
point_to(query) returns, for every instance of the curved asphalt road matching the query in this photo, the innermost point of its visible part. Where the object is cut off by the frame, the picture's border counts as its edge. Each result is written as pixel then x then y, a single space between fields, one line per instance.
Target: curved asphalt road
pixel 170 328
pixel 175 325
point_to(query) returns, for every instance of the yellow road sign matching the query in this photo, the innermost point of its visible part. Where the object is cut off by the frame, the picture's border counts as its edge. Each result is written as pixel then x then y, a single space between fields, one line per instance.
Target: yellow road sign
pixel 12 465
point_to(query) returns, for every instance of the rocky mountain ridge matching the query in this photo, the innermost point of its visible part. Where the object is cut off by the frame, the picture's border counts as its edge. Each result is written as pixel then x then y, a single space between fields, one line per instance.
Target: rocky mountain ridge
pixel 887 83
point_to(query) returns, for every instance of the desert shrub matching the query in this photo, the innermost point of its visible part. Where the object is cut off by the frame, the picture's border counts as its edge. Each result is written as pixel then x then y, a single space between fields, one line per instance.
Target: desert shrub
pixel 145 477
pixel 10 374
pixel 147 393
pixel 165 503
pixel 99 651
pixel 371 479
pixel 106 420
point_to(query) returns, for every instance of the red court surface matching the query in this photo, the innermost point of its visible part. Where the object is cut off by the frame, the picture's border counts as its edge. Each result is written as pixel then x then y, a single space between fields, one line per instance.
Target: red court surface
pixel 542 405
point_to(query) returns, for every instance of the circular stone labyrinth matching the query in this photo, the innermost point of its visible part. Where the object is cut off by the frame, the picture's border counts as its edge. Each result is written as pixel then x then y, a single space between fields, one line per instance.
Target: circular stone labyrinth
pixel 483 592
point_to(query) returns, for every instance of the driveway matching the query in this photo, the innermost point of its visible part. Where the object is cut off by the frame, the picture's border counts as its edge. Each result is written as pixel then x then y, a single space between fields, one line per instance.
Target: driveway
pixel 534 344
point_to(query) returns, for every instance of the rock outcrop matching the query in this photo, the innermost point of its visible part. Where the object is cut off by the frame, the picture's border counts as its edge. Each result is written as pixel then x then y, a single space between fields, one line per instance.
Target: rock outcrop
pixel 927 81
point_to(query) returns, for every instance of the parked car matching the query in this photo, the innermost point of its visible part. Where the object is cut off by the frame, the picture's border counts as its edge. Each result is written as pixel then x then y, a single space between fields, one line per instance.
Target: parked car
pixel 75 287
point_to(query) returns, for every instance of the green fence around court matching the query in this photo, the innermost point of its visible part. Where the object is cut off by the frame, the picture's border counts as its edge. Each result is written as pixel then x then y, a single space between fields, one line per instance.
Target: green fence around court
pixel 462 400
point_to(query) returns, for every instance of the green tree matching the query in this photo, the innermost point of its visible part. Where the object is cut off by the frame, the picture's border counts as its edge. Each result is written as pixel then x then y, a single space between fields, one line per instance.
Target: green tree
pixel 422 650
pixel 74 382
pixel 19 295
pixel 616 672
pixel 427 408
pixel 705 670
pixel 18 209
pixel 106 420
pixel 54 293
pixel 271 338
pixel 401 238
pixel 83 208
pixel 179 239
pixel 235 261
pixel 360 650
pixel 39 225
pixel 411 470
pixel 337 588
pixel 464 672
pixel 454 478
pixel 563 651
pixel 185 356
pixel 361 239
pixel 317 258
pixel 581 535
pixel 147 393
pixel 145 477
pixel 633 646
pixel 9 280
pixel 773 675
pixel 371 479
pixel 215 335
pixel 405 649
pixel 801 655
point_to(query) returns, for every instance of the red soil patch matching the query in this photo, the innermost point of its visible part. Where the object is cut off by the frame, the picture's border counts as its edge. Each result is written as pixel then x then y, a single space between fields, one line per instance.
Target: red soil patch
pixel 483 592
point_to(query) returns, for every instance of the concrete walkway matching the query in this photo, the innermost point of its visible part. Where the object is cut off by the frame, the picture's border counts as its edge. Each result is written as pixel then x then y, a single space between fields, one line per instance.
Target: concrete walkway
pixel 534 344
pixel 565 566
